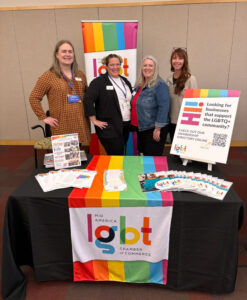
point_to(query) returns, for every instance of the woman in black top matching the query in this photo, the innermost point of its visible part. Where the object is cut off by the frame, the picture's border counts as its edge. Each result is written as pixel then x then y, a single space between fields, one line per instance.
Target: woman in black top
pixel 107 104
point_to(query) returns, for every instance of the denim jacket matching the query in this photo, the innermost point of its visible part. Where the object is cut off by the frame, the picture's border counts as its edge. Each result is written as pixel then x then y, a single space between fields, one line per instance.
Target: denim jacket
pixel 153 106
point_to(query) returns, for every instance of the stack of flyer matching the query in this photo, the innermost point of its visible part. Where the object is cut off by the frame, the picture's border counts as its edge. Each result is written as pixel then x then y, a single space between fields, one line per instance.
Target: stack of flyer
pixel 203 184
pixel 64 178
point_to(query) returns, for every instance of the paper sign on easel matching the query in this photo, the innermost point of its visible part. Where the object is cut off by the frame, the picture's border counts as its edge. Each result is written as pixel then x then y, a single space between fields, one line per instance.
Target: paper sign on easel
pixel 205 125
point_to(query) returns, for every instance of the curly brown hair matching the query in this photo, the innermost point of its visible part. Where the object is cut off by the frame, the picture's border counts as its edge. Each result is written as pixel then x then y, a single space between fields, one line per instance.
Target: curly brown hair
pixel 105 60
pixel 185 72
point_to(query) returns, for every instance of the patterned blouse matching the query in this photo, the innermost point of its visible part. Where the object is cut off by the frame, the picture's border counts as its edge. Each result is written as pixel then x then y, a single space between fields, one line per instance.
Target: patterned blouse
pixel 70 116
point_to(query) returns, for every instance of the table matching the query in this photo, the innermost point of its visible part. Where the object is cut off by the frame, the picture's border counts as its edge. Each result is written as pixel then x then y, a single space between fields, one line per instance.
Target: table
pixel 203 251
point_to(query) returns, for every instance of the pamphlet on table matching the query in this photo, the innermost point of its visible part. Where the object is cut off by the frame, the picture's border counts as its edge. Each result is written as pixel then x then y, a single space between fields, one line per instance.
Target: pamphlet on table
pixel 64 178
pixel 203 184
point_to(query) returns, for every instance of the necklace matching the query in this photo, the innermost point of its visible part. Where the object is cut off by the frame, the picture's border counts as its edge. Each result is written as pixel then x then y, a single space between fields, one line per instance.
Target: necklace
pixel 69 84
pixel 123 84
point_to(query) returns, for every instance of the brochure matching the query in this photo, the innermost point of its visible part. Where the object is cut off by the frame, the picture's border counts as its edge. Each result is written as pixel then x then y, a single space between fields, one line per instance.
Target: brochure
pixel 64 178
pixel 66 150
pixel 202 184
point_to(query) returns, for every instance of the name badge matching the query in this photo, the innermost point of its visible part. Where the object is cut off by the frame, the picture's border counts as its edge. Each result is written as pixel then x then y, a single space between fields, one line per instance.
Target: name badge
pixel 74 98
pixel 78 79
pixel 109 87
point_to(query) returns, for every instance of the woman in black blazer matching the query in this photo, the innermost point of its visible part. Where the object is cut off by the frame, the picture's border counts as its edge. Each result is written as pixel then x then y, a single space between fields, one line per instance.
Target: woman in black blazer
pixel 107 104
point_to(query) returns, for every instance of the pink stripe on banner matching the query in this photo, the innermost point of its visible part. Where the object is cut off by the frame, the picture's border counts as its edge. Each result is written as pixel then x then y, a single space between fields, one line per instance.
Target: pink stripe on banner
pixel 165 267
pixel 130 35
pixel 233 93
pixel 160 163
pixel 134 140
pixel 94 68
pixel 89 222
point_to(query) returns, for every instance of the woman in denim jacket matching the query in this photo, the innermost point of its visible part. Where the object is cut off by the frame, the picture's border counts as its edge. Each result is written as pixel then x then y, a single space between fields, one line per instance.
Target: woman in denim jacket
pixel 150 108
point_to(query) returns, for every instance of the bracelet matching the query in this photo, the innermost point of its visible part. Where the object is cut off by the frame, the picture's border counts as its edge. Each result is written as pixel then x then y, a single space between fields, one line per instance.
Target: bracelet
pixel 157 129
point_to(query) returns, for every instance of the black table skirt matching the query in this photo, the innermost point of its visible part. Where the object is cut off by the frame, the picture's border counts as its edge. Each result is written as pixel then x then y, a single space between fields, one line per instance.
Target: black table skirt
pixel 203 252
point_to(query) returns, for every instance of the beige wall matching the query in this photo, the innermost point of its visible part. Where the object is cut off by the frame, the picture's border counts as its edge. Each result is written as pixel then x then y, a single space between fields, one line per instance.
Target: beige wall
pixel 214 34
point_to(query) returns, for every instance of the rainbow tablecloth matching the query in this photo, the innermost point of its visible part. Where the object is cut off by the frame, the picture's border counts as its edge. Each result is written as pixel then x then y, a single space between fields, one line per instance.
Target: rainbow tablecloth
pixel 124 271
pixel 132 166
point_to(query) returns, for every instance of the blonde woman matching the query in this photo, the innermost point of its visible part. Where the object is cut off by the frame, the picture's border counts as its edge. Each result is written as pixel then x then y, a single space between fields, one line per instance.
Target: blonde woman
pixel 150 108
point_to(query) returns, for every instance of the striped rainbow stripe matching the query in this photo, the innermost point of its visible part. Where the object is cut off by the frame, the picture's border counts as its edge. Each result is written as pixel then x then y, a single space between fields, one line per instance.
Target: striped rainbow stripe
pixel 133 196
pixel 108 36
pixel 96 148
pixel 202 93
pixel 131 271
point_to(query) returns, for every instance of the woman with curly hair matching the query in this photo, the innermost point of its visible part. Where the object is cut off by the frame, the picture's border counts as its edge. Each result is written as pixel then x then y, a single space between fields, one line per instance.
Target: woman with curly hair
pixel 180 80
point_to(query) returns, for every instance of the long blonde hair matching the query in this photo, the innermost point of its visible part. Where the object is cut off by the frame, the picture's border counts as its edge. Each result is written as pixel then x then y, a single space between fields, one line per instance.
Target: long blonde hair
pixel 153 80
pixel 55 68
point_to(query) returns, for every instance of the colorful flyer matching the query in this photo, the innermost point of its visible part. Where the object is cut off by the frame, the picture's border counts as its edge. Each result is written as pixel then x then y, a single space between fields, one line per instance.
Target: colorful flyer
pixel 66 150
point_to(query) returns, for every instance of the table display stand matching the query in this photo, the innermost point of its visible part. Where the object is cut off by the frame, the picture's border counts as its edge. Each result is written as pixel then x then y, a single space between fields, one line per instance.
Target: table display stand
pixel 186 159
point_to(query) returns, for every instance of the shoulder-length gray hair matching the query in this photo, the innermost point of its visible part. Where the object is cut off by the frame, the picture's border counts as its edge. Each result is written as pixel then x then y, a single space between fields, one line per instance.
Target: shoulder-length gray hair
pixel 153 80
pixel 55 68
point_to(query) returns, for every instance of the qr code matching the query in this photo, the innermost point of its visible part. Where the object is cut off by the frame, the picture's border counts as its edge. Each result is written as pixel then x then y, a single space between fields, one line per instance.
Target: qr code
pixel 219 140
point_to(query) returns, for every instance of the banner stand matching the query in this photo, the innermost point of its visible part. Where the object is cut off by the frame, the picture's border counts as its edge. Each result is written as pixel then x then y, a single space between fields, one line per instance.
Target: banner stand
pixel 186 159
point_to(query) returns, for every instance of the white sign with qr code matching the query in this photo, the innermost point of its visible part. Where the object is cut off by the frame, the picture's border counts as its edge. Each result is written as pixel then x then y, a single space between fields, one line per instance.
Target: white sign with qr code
pixel 205 124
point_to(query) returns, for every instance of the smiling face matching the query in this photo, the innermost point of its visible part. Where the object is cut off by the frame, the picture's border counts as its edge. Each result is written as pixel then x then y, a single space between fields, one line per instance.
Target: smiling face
pixel 65 55
pixel 148 68
pixel 177 62
pixel 113 67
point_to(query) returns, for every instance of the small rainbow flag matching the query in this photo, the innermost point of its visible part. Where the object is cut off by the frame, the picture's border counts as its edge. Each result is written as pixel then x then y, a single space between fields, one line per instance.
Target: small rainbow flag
pixel 109 35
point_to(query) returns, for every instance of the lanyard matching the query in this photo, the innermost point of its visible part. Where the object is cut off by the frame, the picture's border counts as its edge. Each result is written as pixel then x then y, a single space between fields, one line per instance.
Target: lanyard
pixel 125 91
pixel 69 84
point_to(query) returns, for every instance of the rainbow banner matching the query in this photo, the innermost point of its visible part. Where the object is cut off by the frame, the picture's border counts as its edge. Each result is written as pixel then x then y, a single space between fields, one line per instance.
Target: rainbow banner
pixel 101 38
pixel 205 125
pixel 109 35
pixel 116 236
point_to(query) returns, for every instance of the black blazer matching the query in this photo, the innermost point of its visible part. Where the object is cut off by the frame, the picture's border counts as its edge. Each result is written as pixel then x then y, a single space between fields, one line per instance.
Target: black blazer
pixel 102 102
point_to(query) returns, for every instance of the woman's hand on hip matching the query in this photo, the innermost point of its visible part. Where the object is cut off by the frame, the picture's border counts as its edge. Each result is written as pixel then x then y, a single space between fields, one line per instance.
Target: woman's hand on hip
pixel 156 134
pixel 51 121
pixel 100 124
